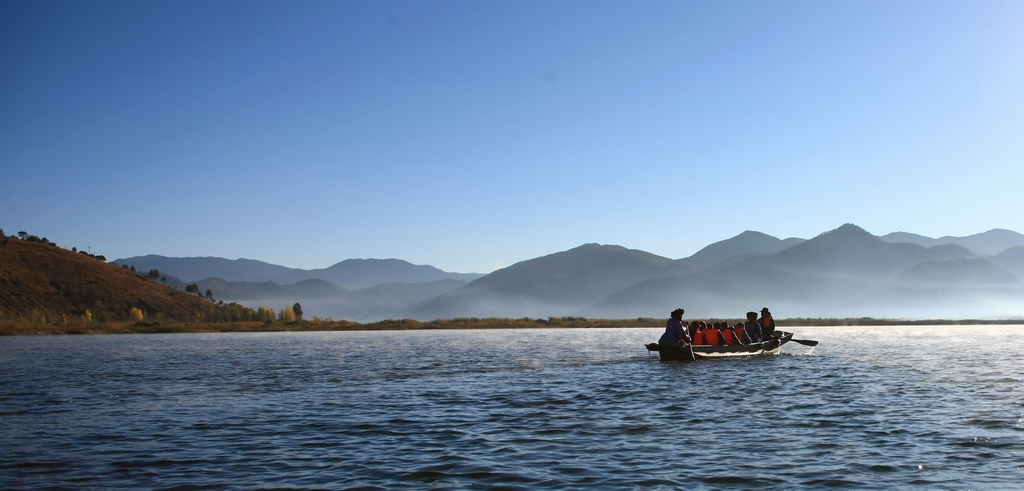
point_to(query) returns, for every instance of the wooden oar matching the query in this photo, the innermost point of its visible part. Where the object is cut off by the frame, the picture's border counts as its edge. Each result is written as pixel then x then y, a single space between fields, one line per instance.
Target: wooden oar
pixel 805 342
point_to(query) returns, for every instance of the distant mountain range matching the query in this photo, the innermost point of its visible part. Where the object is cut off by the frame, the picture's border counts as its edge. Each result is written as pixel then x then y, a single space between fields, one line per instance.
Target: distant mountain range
pixel 987 244
pixel 350 273
pixel 846 272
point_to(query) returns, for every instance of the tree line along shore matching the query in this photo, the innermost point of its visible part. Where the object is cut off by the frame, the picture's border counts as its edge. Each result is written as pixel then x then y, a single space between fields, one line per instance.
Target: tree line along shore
pixel 143 327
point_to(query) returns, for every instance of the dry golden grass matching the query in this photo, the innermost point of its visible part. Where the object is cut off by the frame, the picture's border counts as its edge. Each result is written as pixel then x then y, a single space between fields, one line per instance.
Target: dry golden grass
pixel 43 284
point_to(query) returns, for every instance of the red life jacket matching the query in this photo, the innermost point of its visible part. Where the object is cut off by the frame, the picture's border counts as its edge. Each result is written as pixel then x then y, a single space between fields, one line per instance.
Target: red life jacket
pixel 698 338
pixel 741 335
pixel 711 337
pixel 730 337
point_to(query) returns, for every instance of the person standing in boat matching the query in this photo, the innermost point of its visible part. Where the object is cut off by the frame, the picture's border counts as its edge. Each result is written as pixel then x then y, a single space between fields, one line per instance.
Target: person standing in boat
pixel 753 328
pixel 767 324
pixel 675 333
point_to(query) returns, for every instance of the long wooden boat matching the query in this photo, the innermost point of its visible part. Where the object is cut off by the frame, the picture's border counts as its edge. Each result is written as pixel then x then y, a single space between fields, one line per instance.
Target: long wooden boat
pixel 706 351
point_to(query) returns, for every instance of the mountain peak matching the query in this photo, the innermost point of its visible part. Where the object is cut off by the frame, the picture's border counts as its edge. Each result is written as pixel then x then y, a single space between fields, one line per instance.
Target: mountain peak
pixel 851 248
pixel 848 233
pixel 848 228
pixel 747 243
pixel 594 246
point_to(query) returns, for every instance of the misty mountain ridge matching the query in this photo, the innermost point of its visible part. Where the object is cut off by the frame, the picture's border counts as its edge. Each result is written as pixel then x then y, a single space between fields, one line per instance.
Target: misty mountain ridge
pixel 189 269
pixel 744 245
pixel 950 251
pixel 558 283
pixel 363 273
pixel 350 273
pixel 321 298
pixel 966 284
pixel 987 243
pixel 842 272
pixel 832 275
pixel 1012 260
pixel 829 275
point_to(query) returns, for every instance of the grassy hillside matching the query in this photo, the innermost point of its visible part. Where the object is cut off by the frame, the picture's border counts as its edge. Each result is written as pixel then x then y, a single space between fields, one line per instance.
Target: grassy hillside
pixel 42 283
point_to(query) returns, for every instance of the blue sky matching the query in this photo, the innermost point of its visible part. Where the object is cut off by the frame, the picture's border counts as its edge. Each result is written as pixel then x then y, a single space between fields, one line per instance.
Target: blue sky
pixel 472 135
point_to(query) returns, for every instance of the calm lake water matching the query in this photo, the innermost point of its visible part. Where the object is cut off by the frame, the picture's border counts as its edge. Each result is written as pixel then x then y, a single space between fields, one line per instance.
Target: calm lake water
pixel 869 408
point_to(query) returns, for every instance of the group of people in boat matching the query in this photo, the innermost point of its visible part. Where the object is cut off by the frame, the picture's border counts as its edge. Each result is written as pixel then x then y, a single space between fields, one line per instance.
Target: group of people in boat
pixel 754 330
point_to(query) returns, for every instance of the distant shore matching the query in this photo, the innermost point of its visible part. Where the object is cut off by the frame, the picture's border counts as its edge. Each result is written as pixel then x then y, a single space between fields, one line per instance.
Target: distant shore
pixel 441 324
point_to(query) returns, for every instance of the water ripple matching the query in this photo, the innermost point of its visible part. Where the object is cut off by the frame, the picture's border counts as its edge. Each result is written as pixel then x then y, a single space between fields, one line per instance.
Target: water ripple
pixel 552 409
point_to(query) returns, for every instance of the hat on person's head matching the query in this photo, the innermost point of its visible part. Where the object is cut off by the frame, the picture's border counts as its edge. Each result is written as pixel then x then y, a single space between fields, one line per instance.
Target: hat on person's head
pixel 678 312
pixel 764 310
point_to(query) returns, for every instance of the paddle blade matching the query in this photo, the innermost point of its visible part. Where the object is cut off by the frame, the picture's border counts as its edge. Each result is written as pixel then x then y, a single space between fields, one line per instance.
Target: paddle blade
pixel 805 342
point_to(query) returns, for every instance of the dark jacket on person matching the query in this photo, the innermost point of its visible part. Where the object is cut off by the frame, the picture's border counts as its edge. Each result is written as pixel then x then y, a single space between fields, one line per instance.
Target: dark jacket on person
pixel 675 333
pixel 753 331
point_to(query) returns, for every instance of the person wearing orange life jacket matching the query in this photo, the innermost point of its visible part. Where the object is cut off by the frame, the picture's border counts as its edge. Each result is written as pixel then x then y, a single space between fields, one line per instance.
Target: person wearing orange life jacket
pixel 767 324
pixel 728 335
pixel 702 335
pixel 726 338
pixel 741 333
pixel 711 335
pixel 696 334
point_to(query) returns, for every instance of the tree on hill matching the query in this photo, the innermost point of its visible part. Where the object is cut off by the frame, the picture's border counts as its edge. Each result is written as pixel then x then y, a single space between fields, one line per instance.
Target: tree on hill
pixel 136 314
pixel 288 315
